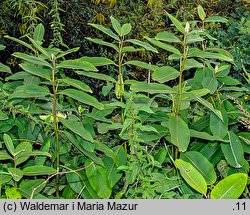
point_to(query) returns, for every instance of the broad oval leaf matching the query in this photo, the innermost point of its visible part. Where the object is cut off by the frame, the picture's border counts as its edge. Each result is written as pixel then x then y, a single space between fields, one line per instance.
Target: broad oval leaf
pixel 82 97
pixel 192 63
pixel 5 156
pixel 98 178
pixel 233 151
pixel 27 186
pixel 192 176
pixel 3 116
pixel 126 28
pixel 179 132
pixel 38 170
pixel 16 173
pixel 4 68
pixel 116 25
pixel 230 187
pixel 77 128
pixel 201 12
pixel 201 163
pixel 39 33
pixel 21 152
pixel 165 73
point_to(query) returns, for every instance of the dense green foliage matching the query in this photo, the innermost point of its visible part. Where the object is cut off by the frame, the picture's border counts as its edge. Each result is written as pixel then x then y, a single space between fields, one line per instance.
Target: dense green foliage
pixel 97 106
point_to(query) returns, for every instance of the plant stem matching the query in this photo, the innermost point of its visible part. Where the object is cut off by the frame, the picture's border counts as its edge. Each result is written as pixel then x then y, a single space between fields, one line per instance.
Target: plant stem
pixel 55 123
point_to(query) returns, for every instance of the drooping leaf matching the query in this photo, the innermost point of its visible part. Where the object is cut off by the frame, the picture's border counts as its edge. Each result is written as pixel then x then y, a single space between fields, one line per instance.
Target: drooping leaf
pixel 98 76
pixel 216 19
pixel 4 68
pixel 5 156
pixel 152 88
pixel 142 65
pixel 98 178
pixel 82 97
pixel 3 116
pixel 38 170
pixel 165 74
pixel 164 46
pixel 145 45
pixel 202 164
pixel 20 42
pixel 230 187
pixel 98 61
pixel 179 132
pixel 77 64
pixel 36 70
pixel 21 152
pixel 105 30
pixel 233 151
pixel 29 91
pixel 205 136
pixel 77 128
pixel 166 36
pixel 103 43
pixel 192 176
pixel 77 84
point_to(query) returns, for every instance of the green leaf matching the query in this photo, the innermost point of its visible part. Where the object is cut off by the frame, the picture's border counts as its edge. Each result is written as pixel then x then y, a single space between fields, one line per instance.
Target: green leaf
pixel 29 91
pixel 82 97
pixel 192 176
pixel 36 70
pixel 201 12
pixel 105 31
pixel 2 47
pixel 233 151
pixel 230 187
pixel 3 116
pixel 98 76
pixel 44 149
pixel 145 45
pixel 166 36
pixel 165 74
pixel 103 43
pixel 142 65
pixel 194 52
pixel 27 186
pixel 229 81
pixel 16 173
pixel 205 136
pixel 152 88
pixel 176 23
pixel 131 49
pixel 116 25
pixel 77 64
pixel 21 152
pixel 192 63
pixel 194 37
pixel 179 132
pixel 40 48
pixel 9 144
pixel 5 156
pixel 103 128
pixel 4 68
pixel 126 28
pixel 39 33
pixel 106 150
pixel 98 61
pixel 201 163
pixel 38 170
pixel 98 178
pixel 164 46
pixel 77 84
pixel 215 19
pixel 209 106
pixel 77 128
pixel 67 52
pixel 20 42
pixel 217 127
